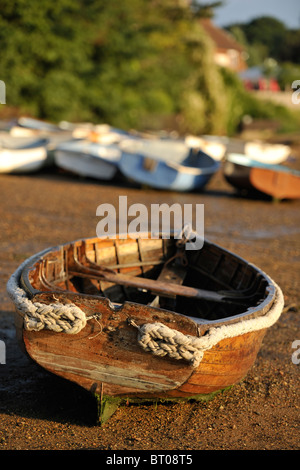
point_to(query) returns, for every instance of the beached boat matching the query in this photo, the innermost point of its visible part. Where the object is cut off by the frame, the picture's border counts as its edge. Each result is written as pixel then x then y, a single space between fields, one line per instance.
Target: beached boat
pixel 37 124
pixel 106 134
pixel 22 155
pixel 214 147
pixel 277 181
pixel 137 319
pixel 88 159
pixel 54 135
pixel 264 152
pixel 101 133
pixel 166 164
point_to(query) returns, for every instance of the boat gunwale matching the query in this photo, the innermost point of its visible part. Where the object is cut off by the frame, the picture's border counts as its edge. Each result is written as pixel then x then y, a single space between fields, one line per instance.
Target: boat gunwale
pixel 244 161
pixel 250 312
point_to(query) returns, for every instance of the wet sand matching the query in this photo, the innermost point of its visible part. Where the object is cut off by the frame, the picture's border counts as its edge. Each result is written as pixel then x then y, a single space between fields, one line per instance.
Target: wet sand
pixel 39 411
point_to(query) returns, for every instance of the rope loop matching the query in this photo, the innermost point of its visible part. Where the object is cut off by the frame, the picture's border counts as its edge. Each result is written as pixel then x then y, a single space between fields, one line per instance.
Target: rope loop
pixel 161 340
pixel 37 316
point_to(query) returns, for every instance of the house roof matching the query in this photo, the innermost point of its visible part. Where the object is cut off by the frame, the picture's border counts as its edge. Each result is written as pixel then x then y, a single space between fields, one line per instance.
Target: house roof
pixel 221 38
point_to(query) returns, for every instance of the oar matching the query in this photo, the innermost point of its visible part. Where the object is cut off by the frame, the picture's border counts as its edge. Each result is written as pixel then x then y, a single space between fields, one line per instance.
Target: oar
pixel 164 288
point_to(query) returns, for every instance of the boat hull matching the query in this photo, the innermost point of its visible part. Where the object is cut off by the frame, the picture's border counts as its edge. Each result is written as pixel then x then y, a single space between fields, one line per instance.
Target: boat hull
pixel 132 374
pixel 167 165
pixel 88 159
pixel 87 166
pixel 24 157
pixel 272 180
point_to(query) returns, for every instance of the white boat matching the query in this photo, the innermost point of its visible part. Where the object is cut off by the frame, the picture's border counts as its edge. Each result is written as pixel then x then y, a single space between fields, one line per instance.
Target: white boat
pixel 215 147
pixel 263 152
pixel 33 129
pixel 23 132
pixel 22 155
pixel 88 159
pixel 220 146
pixel 106 134
pixel 37 124
pixel 101 133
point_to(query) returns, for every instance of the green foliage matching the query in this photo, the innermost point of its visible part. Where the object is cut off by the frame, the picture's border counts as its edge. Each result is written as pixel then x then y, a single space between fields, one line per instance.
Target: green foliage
pixel 128 63
pixel 242 103
pixel 268 37
pixel 133 64
pixel 287 74
pixel 43 55
pixel 267 31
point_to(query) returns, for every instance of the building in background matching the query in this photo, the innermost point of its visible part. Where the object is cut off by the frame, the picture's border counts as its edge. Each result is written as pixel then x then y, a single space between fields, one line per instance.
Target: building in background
pixel 228 52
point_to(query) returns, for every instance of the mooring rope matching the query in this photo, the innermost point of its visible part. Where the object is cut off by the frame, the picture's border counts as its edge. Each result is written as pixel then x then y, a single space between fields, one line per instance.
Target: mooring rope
pixel 161 340
pixel 56 316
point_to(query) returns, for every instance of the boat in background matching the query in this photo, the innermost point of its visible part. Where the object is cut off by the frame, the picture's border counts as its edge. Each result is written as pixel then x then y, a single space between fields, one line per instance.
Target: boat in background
pixel 214 147
pixel 88 159
pixel 106 134
pixel 168 164
pixel 263 152
pixel 142 319
pixel 277 181
pixel 22 155
pixel 27 128
pixel 37 124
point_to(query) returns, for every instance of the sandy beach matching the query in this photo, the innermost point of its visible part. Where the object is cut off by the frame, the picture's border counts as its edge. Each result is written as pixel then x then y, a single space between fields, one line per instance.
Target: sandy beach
pixel 39 411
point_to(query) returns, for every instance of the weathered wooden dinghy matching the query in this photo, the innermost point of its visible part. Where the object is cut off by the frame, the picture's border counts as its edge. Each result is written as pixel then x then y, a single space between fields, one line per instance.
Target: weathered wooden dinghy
pixel 276 181
pixel 143 319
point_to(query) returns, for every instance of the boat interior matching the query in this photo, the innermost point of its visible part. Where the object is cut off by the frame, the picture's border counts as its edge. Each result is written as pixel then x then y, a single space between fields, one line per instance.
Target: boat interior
pixel 209 285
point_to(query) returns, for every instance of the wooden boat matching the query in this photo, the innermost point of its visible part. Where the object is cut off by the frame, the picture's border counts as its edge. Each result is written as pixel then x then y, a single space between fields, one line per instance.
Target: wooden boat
pixel 139 319
pixel 166 164
pixel 22 155
pixel 277 181
pixel 88 159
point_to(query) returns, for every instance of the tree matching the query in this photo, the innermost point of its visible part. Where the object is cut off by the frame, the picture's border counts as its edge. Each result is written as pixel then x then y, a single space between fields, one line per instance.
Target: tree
pixel 132 63
pixel 268 37
pixel 44 56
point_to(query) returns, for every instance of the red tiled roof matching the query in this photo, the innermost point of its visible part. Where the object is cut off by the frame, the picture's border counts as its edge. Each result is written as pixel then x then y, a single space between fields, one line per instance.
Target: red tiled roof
pixel 221 38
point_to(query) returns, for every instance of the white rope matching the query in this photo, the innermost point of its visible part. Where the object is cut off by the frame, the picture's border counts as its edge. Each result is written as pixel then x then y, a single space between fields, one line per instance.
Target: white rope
pixel 37 316
pixel 161 340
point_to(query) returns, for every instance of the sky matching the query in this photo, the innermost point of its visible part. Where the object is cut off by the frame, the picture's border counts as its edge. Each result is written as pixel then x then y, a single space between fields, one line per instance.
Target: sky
pixel 242 11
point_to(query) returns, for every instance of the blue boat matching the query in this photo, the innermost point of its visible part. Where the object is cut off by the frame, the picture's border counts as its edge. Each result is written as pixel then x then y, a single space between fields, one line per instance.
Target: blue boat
pixel 166 164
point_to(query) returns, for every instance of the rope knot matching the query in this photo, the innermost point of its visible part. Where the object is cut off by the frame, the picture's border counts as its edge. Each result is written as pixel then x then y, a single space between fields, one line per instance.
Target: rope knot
pixel 162 341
